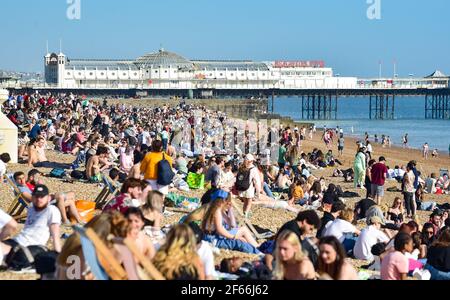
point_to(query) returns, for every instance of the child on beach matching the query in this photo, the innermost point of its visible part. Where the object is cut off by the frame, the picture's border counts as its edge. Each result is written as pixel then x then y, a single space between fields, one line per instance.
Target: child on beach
pixel 435 153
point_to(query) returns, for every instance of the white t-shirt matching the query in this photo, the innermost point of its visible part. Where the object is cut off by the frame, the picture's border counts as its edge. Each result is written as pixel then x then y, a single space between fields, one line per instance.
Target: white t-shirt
pixel 37 226
pixel 369 237
pixel 2 168
pixel 338 228
pixel 4 219
pixel 145 138
pixel 207 257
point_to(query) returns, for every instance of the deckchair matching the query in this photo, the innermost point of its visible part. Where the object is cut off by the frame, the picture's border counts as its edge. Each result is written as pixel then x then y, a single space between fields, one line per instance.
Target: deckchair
pixel 99 258
pixel 18 207
pixel 246 222
pixel 108 192
pixel 130 250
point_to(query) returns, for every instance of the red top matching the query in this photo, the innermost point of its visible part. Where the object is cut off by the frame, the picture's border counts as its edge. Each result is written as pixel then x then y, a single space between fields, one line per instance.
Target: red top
pixel 120 203
pixel 378 173
pixel 30 186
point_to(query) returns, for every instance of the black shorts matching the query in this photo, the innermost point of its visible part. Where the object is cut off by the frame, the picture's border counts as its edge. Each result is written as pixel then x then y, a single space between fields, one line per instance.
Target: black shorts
pixel 340 148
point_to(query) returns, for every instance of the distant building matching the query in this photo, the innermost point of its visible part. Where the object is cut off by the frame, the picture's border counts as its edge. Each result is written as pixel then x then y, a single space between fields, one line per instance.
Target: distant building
pixel 167 70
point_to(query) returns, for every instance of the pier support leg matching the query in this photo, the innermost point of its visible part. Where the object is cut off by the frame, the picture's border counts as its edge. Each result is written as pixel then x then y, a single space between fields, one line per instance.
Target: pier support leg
pixel 336 107
pixel 382 107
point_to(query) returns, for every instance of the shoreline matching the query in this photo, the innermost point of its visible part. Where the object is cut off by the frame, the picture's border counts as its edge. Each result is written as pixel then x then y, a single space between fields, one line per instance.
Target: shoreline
pixel 263 217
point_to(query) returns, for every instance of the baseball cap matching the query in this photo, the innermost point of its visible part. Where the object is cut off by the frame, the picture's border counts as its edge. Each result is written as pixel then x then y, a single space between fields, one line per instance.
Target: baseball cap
pixel 249 157
pixel 40 191
pixel 376 219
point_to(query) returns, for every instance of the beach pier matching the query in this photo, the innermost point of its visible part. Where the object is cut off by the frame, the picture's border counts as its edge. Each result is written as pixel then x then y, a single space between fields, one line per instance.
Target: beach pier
pixel 437 106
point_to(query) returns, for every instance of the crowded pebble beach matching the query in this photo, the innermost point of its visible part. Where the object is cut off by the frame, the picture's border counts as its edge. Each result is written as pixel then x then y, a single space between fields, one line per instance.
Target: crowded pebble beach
pixel 253 214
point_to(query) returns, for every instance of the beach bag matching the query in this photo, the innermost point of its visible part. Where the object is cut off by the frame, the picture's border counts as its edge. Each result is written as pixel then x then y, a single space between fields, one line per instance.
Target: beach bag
pixel 348 194
pixel 45 263
pixel 21 257
pixel 243 180
pixel 78 175
pixel 195 181
pixel 165 172
pixel 58 173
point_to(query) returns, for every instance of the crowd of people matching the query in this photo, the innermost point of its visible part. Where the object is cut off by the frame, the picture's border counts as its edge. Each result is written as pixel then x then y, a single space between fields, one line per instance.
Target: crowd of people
pixel 152 152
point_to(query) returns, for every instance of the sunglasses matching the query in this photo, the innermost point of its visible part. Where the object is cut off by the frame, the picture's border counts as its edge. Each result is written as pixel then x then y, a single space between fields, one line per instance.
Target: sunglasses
pixel 430 232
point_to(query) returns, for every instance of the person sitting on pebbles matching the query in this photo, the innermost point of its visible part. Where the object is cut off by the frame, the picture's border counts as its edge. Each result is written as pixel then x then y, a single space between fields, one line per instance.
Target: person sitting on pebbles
pixel 64 201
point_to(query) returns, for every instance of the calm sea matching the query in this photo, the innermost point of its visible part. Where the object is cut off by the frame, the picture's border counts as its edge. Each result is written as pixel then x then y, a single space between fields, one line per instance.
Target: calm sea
pixel 353 117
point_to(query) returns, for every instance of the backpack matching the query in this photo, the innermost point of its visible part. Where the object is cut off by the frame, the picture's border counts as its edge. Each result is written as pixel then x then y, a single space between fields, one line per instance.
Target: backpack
pixel 243 180
pixel 165 172
pixel 22 257
pixel 58 173
pixel 78 174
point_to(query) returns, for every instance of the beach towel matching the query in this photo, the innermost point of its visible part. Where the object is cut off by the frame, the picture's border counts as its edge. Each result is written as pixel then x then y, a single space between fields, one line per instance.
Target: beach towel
pixel 184 202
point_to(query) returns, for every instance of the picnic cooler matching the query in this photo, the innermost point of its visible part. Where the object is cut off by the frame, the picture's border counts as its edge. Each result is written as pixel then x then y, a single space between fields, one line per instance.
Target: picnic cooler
pixel 86 209
pixel 196 181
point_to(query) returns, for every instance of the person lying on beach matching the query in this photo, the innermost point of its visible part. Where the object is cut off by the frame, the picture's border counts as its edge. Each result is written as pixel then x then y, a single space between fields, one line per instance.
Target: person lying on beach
pixel 255 270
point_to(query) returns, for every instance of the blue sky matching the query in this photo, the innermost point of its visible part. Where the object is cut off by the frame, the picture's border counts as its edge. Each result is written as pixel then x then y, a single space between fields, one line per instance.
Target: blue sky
pixel 415 33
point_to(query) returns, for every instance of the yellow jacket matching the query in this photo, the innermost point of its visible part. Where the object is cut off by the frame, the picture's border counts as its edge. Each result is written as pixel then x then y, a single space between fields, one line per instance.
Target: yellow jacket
pixel 149 165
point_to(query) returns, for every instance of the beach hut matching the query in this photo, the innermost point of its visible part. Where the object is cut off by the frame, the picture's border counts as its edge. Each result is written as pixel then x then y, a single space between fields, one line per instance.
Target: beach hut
pixel 8 133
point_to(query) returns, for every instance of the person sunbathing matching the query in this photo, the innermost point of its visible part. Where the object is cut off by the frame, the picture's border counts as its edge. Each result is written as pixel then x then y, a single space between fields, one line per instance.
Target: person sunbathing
pixel 36 155
pixel 94 166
